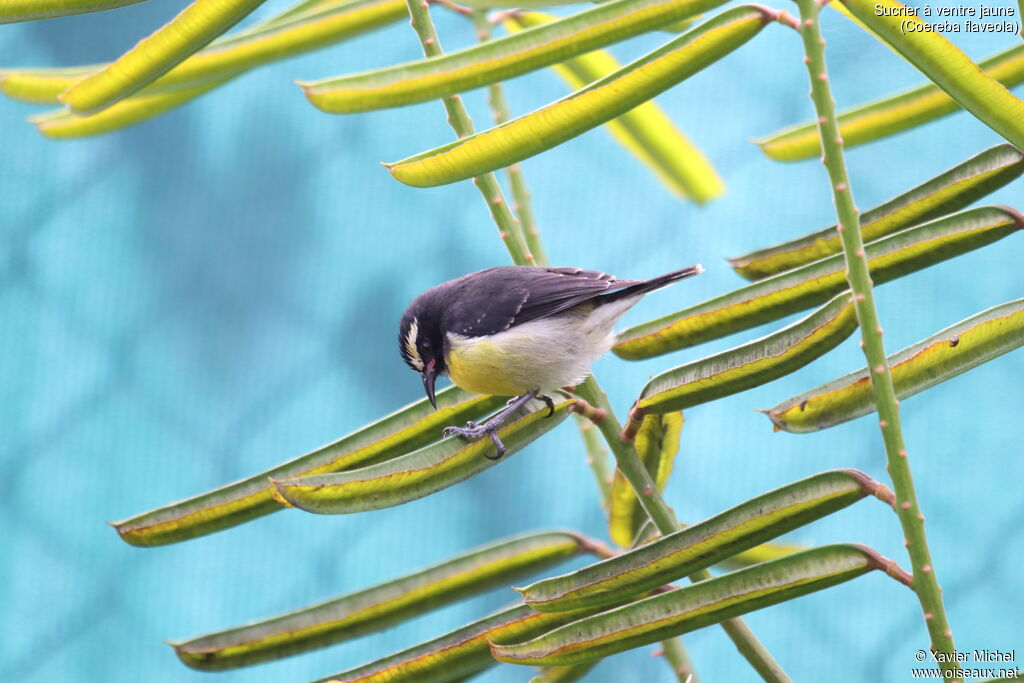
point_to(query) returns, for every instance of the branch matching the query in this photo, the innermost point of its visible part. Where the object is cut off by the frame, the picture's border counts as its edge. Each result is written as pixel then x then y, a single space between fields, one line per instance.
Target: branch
pixel 625 455
pixel 676 655
pixel 925 583
pixel 675 652
pixel 663 517
pixel 458 118
pixel 520 195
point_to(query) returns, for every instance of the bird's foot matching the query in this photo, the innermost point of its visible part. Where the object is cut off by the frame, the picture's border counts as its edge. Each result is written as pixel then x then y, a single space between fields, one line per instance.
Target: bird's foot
pixel 472 431
pixel 550 403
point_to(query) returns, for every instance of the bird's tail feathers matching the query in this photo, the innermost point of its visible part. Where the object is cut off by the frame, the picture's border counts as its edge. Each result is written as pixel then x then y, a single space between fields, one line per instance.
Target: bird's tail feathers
pixel 645 286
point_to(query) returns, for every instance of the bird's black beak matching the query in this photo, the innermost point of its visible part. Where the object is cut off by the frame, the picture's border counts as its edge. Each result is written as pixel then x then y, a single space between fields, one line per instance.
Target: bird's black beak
pixel 429 378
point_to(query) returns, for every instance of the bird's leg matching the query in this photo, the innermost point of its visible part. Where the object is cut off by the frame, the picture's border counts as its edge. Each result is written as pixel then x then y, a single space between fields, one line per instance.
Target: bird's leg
pixel 490 428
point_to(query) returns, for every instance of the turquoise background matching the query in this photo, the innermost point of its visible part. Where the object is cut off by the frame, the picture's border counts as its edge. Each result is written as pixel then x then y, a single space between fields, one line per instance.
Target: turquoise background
pixel 207 294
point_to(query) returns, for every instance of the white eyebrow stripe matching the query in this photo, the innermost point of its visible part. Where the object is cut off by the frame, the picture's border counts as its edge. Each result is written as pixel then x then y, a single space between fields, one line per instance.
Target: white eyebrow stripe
pixel 410 345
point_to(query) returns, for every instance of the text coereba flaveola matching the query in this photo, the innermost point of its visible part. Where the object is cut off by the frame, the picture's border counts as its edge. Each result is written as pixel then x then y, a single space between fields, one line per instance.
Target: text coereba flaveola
pixel 517 331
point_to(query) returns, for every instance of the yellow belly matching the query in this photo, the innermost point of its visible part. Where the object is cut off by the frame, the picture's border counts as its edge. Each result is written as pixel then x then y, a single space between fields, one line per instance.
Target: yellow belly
pixel 544 354
pixel 483 369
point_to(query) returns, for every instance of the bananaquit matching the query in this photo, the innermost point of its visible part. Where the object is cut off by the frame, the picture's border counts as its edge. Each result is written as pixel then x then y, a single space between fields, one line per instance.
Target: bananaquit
pixel 517 331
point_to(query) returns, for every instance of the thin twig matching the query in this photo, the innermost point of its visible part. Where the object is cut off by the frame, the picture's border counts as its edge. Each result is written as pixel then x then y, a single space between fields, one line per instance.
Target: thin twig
pixel 628 461
pixel 925 583
pixel 634 420
pixel 661 514
pixel 597 458
pixel 458 118
pixel 589 415
pixel 520 194
pixel 673 648
pixel 596 547
pixel 585 410
pixel 454 7
pixel 676 655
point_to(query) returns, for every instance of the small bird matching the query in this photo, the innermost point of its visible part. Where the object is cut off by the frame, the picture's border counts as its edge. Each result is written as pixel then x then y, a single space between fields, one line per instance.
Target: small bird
pixel 517 331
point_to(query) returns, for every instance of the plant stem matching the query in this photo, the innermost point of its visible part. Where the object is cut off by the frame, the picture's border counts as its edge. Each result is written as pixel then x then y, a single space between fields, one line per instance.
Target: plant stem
pixel 520 194
pixel 625 455
pixel 675 654
pixel 508 227
pixel 661 514
pixel 597 458
pixel 673 648
pixel 925 583
pixel 628 461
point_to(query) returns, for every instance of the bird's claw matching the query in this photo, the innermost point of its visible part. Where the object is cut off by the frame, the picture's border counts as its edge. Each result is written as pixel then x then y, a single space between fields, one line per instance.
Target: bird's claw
pixel 470 431
pixel 473 431
pixel 498 446
pixel 549 403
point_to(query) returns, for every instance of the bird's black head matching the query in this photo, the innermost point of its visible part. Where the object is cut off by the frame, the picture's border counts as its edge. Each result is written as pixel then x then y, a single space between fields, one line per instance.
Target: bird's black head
pixel 421 341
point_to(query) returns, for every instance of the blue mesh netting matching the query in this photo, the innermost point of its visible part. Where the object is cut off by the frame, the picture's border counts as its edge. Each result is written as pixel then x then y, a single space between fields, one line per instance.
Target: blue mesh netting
pixel 202 296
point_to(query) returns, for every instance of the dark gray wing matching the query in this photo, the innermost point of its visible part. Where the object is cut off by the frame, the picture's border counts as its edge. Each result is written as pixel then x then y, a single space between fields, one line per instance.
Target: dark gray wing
pixel 493 300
